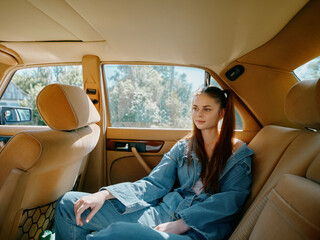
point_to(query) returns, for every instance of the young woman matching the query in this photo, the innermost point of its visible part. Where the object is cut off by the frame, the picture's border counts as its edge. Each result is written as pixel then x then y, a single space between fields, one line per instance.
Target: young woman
pixel 214 172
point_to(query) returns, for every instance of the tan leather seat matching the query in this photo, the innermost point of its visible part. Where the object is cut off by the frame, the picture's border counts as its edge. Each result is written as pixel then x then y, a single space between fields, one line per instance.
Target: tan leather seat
pixel 285 199
pixel 38 166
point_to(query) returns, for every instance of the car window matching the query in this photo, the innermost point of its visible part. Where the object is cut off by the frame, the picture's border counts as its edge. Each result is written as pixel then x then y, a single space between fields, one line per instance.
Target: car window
pixel 148 96
pixel 309 70
pixel 25 85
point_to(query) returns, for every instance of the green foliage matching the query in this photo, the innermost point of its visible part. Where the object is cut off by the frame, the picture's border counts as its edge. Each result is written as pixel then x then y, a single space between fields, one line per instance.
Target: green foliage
pixel 309 71
pixel 149 96
pixel 71 75
pixel 31 103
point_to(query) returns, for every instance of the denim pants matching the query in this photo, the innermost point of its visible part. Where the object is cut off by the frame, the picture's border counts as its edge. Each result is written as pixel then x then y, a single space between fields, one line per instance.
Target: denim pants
pixel 108 223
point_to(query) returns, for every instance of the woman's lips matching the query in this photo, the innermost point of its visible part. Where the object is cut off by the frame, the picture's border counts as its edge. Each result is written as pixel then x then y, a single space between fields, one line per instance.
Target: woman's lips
pixel 200 121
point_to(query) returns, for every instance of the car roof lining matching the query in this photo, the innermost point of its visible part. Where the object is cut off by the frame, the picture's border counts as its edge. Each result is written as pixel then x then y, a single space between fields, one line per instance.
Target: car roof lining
pixel 207 33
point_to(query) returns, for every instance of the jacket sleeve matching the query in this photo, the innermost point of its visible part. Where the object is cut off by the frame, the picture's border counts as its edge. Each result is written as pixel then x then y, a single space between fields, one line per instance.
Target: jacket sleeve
pixel 137 195
pixel 214 217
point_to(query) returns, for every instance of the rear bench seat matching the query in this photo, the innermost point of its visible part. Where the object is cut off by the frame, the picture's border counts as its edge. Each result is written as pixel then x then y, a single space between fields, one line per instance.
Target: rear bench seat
pixel 285 198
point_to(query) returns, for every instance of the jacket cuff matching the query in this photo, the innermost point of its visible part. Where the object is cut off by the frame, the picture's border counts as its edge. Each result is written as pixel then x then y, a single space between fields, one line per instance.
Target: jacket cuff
pixel 123 193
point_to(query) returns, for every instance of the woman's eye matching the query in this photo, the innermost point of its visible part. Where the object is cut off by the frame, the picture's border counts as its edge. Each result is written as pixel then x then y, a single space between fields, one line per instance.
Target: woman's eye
pixel 207 109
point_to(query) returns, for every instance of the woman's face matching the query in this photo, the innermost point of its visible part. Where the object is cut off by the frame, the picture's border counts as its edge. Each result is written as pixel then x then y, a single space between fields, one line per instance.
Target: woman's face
pixel 206 112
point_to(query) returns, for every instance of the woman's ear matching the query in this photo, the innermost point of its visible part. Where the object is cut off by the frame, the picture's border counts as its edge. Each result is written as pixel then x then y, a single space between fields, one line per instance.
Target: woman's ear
pixel 222 112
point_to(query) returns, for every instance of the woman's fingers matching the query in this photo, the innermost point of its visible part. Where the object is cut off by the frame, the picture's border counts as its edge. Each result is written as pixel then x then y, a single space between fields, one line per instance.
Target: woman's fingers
pixel 76 207
pixel 176 227
pixel 159 227
pixel 79 209
pixel 92 213
pixel 92 201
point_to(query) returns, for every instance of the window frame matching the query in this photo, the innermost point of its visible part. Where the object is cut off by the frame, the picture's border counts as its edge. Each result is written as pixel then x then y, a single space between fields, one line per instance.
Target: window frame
pixel 208 75
pixel 10 73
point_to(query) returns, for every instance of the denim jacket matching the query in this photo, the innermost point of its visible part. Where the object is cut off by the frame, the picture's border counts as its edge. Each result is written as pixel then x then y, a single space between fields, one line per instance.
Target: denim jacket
pixel 211 216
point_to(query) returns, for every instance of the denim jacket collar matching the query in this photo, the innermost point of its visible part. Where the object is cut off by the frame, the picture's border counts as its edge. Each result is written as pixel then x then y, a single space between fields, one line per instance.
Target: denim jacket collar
pixel 240 154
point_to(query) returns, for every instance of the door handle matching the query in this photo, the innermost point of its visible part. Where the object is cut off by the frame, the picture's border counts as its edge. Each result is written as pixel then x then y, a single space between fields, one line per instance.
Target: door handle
pixel 124 148
pixel 141 160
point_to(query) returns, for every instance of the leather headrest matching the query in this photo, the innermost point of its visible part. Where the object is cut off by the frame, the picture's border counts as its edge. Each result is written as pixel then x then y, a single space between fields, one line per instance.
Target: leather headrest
pixel 65 107
pixel 302 104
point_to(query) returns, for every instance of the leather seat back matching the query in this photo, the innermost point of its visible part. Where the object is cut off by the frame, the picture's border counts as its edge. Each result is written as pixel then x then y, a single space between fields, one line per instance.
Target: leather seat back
pixel 291 211
pixel 280 151
pixel 38 166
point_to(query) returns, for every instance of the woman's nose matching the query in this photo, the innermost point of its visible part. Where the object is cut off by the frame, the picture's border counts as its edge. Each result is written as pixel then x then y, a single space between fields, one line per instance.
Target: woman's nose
pixel 200 113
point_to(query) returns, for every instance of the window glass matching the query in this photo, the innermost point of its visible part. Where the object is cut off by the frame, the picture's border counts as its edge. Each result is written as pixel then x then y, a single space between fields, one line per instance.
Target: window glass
pixel 25 85
pixel 145 96
pixel 309 71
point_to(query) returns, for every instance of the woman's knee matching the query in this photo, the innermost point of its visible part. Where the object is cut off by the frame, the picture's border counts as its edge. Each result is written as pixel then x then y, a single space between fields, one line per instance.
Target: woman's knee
pixel 117 228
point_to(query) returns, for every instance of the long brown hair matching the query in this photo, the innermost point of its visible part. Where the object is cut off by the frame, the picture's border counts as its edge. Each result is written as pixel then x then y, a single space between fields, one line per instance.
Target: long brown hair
pixel 212 168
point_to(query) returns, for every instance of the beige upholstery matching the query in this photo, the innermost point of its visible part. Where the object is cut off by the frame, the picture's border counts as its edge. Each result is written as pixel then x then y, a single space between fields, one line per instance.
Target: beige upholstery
pixel 291 212
pixel 65 107
pixel 38 166
pixel 302 104
pixel 280 206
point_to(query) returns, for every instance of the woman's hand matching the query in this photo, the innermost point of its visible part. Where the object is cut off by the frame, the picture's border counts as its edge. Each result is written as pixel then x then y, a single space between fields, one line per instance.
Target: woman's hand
pixel 176 227
pixel 93 201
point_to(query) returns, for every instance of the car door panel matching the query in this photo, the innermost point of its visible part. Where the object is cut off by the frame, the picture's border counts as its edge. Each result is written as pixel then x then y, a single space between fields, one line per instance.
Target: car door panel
pixel 123 166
